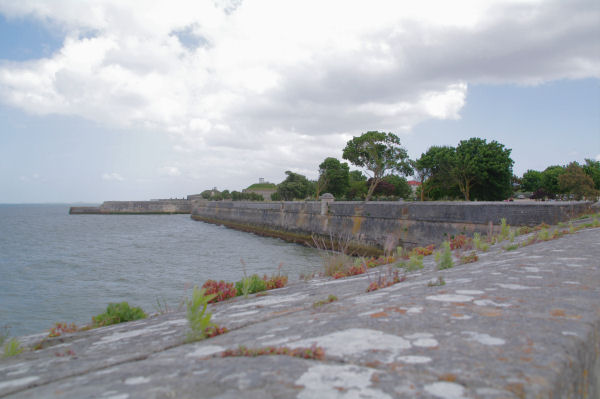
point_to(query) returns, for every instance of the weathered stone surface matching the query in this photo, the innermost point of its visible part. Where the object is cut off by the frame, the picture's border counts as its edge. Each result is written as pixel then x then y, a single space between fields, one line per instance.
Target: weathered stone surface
pixel 523 323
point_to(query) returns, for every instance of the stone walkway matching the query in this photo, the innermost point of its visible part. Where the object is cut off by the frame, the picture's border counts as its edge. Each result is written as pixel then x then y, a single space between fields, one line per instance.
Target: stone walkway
pixel 515 324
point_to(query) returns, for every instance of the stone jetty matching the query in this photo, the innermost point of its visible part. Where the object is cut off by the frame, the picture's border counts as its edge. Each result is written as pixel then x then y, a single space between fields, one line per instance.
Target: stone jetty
pixel 523 323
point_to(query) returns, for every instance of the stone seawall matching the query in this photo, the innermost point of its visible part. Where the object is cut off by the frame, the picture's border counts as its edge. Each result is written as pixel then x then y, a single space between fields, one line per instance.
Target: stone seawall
pixel 512 325
pixel 379 225
pixel 135 208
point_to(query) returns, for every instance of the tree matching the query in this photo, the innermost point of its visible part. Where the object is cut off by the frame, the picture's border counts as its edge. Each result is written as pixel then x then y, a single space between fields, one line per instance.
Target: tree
pixel 483 170
pixel 550 179
pixel 433 169
pixel 358 185
pixel 294 186
pixel 383 188
pixel 357 175
pixel 401 187
pixel 575 181
pixel 378 153
pixel 334 177
pixel 592 169
pixel 531 181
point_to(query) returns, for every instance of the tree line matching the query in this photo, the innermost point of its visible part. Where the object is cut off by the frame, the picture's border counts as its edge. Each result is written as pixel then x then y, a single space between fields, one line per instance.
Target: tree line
pixel 572 181
pixel 473 170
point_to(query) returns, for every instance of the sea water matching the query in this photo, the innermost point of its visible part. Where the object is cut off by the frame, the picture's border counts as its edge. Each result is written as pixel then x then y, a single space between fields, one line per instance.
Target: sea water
pixel 56 267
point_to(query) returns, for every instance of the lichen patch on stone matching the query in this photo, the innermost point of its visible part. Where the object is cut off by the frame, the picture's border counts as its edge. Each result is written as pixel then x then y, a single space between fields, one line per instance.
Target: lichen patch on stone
pixel 137 380
pixel 450 298
pixel 18 382
pixel 271 301
pixel 414 310
pixel 356 341
pixel 204 351
pixel 489 302
pixel 426 343
pixel 515 286
pixel 242 314
pixel 484 339
pixel 413 359
pixel 339 382
pixel 446 390
pixel 470 292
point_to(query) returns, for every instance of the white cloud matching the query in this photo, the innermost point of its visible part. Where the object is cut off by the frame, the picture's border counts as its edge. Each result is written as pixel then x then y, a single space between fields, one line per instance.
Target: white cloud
pixel 275 84
pixel 170 171
pixel 33 177
pixel 598 157
pixel 112 177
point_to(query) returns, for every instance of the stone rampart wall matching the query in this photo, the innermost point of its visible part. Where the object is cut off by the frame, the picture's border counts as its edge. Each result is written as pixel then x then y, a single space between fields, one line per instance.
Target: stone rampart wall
pixel 381 224
pixel 136 207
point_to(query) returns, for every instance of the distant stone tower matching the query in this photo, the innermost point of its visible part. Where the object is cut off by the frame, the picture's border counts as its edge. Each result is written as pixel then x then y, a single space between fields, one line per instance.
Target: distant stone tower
pixel 261 180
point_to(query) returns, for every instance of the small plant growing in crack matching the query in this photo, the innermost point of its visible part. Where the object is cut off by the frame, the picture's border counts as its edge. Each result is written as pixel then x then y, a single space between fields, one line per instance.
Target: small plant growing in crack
pixel 62 328
pixel 330 298
pixel 504 229
pixel 390 278
pixel 313 352
pixel 437 283
pixel 12 347
pixel 118 313
pixel 221 290
pixel 199 319
pixel 472 257
pixel 444 258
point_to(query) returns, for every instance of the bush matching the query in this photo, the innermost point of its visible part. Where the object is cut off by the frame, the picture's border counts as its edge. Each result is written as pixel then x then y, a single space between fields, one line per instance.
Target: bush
pixel 253 283
pixel 445 257
pixel 222 290
pixel 415 263
pixel 12 348
pixel 277 281
pixel 198 318
pixel 118 313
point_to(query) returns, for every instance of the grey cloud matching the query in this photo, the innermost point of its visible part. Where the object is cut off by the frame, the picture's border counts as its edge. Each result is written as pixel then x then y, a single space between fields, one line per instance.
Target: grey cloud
pixel 523 44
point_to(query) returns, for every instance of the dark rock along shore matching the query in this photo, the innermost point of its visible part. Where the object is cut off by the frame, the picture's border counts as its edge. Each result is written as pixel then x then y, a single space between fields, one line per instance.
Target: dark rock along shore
pixel 515 324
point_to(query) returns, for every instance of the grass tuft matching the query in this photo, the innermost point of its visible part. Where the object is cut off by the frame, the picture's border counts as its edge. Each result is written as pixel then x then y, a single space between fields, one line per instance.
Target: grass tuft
pixel 445 257
pixel 199 319
pixel 330 298
pixel 12 348
pixel 118 313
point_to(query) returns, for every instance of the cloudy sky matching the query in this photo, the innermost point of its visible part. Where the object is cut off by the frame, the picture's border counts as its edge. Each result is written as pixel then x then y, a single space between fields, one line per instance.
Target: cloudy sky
pixel 138 99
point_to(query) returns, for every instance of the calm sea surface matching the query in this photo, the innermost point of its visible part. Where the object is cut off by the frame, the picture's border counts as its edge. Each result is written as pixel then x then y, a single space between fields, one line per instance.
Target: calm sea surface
pixel 60 267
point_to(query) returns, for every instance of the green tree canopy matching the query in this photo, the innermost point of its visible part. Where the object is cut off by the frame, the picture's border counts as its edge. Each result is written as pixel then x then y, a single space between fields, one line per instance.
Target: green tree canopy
pixel 377 152
pixel 295 186
pixel 358 186
pixel 357 175
pixel 334 177
pixel 401 187
pixel 532 180
pixel 434 170
pixel 550 179
pixel 575 181
pixel 483 170
pixel 592 169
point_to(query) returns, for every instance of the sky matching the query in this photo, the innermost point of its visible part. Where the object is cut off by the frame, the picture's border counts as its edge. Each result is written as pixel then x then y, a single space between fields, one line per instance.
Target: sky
pixel 133 100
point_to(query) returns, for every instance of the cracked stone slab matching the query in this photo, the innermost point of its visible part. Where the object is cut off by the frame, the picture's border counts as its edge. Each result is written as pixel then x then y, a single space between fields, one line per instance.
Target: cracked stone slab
pixel 515 324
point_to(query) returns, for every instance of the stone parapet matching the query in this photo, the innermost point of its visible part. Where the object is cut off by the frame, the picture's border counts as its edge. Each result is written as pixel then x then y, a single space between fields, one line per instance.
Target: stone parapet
pixel 380 225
